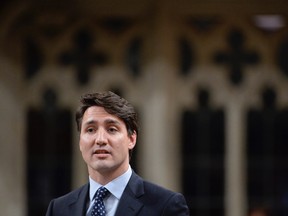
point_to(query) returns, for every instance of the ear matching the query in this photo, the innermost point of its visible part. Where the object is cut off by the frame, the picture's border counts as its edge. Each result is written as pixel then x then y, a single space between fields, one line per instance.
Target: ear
pixel 133 139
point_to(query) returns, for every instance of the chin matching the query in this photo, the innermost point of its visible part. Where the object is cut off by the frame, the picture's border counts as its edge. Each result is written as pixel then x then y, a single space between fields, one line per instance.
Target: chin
pixel 102 166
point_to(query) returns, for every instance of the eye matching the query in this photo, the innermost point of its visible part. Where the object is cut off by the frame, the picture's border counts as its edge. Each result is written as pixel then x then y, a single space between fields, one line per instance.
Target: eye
pixel 90 130
pixel 112 130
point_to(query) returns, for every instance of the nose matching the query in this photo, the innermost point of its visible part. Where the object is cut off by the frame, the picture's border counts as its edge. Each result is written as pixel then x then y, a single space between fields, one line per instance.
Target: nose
pixel 101 138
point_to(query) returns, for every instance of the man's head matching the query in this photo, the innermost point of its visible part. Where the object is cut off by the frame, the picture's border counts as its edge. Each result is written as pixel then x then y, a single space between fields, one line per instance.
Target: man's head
pixel 108 131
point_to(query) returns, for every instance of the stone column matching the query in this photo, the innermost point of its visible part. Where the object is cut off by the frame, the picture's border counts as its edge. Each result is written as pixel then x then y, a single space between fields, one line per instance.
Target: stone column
pixel 12 144
pixel 235 197
pixel 159 150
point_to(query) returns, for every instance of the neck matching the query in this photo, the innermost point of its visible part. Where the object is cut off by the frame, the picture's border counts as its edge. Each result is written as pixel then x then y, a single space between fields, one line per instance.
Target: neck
pixel 104 177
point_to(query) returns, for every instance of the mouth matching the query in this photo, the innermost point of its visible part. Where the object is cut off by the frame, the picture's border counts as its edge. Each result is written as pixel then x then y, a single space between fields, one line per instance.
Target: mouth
pixel 101 153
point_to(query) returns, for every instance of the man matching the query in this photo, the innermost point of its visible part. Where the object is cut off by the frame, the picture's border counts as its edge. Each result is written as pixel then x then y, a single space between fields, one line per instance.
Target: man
pixel 108 132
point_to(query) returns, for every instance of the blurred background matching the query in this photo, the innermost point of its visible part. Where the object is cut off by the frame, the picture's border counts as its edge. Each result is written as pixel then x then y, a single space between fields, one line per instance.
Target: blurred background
pixel 208 78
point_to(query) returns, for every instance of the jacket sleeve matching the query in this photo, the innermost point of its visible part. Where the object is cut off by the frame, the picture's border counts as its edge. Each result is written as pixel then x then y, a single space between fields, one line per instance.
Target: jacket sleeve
pixel 176 205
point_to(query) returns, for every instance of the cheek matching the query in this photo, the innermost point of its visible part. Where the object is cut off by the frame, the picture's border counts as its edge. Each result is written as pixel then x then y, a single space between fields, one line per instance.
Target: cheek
pixel 119 145
pixel 85 139
pixel 81 146
pixel 83 143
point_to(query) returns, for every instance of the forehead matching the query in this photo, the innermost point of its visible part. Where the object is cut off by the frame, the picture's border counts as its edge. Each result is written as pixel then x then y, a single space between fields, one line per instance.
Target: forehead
pixel 97 113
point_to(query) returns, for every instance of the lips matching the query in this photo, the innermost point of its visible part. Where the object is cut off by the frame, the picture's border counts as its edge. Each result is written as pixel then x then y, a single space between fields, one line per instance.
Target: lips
pixel 101 151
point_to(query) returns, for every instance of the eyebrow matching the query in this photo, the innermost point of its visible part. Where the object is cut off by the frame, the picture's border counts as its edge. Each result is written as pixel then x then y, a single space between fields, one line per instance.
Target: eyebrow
pixel 112 121
pixel 107 121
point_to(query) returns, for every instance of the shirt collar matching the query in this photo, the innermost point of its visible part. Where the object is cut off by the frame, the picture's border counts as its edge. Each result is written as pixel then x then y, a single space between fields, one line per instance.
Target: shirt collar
pixel 115 187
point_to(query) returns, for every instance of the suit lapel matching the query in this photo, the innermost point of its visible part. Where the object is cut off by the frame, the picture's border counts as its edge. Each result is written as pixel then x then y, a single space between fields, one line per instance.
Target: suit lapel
pixel 77 203
pixel 129 204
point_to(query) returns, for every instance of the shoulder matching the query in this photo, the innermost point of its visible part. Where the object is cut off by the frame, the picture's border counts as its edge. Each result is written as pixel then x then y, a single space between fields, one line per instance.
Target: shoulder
pixel 75 194
pixel 160 194
pixel 157 198
pixel 157 189
pixel 72 203
pixel 148 187
pixel 70 198
pixel 170 203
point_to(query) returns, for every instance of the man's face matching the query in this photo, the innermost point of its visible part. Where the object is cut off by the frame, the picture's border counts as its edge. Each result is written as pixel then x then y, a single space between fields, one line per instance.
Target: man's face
pixel 104 142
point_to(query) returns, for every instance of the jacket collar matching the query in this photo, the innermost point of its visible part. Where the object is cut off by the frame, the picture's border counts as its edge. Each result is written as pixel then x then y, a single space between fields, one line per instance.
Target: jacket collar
pixel 129 204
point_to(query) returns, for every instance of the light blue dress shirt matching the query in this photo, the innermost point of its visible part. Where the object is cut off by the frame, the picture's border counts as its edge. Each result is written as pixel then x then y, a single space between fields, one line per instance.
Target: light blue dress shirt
pixel 115 187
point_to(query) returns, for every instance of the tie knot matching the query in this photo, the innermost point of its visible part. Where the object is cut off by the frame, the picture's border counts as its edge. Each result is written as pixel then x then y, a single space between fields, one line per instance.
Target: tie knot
pixel 101 193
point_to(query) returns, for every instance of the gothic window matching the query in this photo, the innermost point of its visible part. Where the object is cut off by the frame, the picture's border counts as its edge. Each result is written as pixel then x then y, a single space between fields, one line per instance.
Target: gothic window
pixel 133 56
pixel 33 58
pixel 49 154
pixel 267 152
pixel 238 57
pixel 83 56
pixel 202 158
pixel 187 56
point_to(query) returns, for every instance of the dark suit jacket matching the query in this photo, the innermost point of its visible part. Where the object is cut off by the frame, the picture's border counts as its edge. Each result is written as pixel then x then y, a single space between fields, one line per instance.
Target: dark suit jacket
pixel 139 198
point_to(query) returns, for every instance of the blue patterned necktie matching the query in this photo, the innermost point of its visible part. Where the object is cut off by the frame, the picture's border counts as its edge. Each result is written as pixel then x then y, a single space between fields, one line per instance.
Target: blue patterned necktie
pixel 98 208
